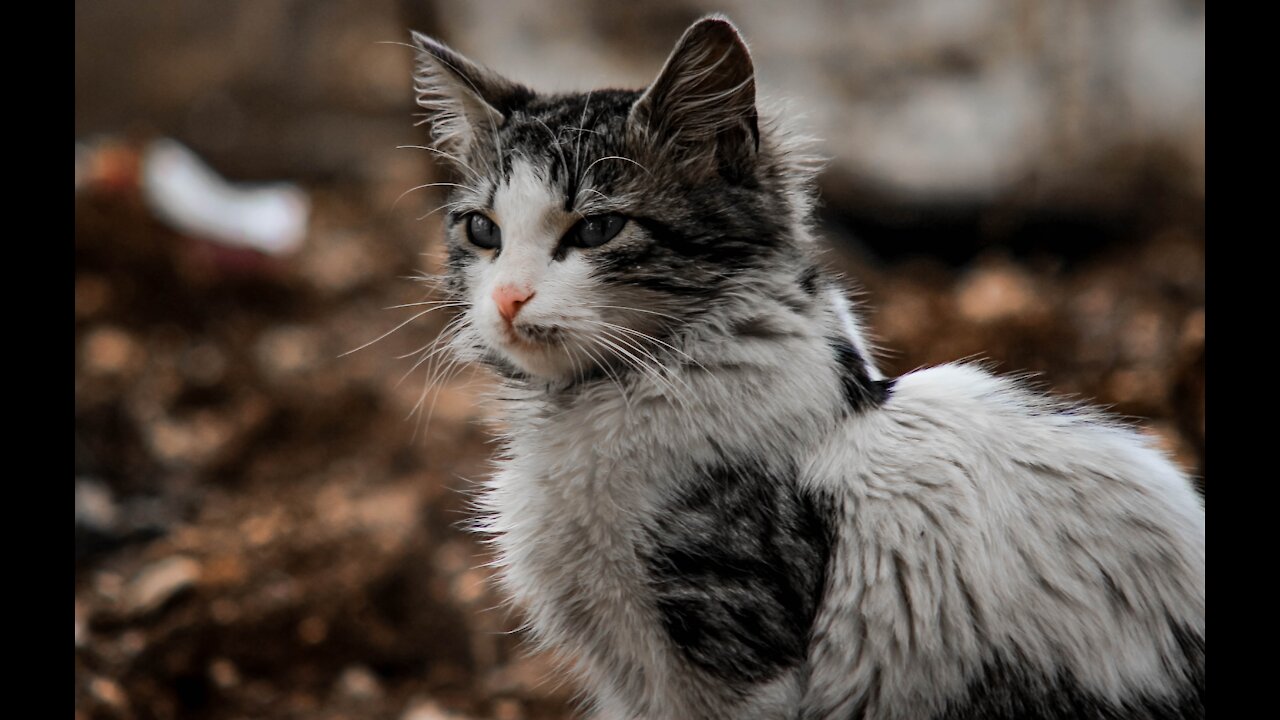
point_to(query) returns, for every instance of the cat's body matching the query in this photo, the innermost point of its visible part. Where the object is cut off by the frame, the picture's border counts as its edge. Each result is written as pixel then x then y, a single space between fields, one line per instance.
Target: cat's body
pixel 712 501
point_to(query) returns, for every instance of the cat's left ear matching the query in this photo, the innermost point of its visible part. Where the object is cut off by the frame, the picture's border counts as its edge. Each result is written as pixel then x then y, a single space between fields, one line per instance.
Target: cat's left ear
pixel 703 104
pixel 463 100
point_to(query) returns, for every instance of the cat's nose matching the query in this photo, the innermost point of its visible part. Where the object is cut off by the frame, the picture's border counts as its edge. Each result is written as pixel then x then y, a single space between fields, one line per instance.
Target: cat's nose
pixel 509 300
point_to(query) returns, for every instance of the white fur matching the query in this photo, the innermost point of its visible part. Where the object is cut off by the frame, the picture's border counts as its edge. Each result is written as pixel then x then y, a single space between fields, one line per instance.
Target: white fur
pixel 971 484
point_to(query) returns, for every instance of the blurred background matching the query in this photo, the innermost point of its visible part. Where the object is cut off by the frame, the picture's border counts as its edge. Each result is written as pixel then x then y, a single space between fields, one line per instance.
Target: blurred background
pixel 260 531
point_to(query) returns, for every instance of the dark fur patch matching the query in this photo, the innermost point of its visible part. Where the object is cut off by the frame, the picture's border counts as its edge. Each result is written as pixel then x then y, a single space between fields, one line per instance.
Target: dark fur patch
pixel 501 366
pixel 860 391
pixel 738 570
pixel 1006 691
pixel 760 328
pixel 809 280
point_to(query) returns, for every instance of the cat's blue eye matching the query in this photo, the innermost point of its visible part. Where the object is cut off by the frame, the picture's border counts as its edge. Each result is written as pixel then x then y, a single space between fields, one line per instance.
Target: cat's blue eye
pixel 483 232
pixel 596 230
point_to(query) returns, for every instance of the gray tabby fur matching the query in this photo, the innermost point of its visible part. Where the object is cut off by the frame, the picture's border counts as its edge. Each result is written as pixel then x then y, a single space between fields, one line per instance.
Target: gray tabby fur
pixel 708 496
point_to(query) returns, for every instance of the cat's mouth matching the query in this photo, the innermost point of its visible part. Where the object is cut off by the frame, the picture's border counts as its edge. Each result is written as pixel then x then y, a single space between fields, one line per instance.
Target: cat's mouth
pixel 532 337
pixel 539 350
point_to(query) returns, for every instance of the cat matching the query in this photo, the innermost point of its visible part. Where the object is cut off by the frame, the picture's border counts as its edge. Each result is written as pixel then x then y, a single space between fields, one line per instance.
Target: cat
pixel 710 498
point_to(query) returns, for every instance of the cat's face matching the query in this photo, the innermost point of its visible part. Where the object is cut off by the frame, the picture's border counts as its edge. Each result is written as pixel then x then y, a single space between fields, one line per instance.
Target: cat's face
pixel 586 231
pixel 540 231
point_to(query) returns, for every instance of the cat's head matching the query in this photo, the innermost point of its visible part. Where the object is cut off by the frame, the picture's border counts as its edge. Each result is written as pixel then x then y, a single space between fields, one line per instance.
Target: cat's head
pixel 596 230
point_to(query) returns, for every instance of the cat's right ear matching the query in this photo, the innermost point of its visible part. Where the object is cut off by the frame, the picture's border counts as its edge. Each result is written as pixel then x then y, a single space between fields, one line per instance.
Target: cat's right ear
pixel 462 99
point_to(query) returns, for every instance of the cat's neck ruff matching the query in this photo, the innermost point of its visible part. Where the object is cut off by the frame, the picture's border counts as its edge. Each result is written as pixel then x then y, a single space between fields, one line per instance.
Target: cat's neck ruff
pixel 762 382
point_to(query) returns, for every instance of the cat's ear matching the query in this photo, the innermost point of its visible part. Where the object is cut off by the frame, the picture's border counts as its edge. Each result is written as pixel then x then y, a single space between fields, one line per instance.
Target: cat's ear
pixel 462 99
pixel 704 101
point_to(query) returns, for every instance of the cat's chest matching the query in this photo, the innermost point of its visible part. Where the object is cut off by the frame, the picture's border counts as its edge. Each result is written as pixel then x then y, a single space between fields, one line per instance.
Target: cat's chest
pixel 593 483
pixel 578 516
pixel 574 523
pixel 640 547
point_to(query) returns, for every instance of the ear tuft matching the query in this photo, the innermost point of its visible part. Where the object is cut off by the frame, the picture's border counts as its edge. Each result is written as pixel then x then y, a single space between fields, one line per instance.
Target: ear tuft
pixel 704 99
pixel 462 100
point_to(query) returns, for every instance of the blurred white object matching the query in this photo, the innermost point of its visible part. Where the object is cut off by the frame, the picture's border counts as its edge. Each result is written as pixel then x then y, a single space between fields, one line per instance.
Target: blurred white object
pixel 185 192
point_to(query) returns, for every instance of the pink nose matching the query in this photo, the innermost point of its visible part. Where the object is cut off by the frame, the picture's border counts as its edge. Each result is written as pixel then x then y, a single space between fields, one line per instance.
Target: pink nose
pixel 509 300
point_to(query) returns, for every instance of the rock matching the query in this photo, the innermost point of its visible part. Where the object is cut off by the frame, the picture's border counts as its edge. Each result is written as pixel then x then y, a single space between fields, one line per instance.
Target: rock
pixel 109 693
pixel 1146 338
pixel 423 709
pixel 105 523
pixel 98 519
pixel 109 351
pixel 95 506
pixel 313 630
pixel 507 709
pixel 131 643
pixel 358 682
pixel 193 441
pixel 995 293
pixel 285 351
pixel 224 673
pixel 158 583
pixel 340 263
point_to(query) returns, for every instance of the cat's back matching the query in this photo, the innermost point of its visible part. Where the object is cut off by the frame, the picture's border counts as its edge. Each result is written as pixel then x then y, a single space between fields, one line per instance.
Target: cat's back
pixel 962 431
pixel 990 540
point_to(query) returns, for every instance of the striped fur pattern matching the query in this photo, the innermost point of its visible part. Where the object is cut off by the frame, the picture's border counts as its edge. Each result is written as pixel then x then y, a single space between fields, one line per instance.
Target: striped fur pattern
pixel 709 497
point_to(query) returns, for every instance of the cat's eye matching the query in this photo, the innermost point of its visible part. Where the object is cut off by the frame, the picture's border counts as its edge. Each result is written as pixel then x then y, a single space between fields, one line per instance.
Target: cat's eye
pixel 483 232
pixel 595 230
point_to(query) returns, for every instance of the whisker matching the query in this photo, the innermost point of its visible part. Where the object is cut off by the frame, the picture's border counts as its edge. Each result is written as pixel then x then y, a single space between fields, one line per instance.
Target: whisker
pixel 604 367
pixel 446 333
pixel 395 42
pixel 577 143
pixel 669 377
pixel 437 303
pixel 633 309
pixel 650 338
pixel 616 343
pixel 555 142
pixel 614 157
pixel 426 278
pixel 387 333
pixel 591 190
pixel 444 154
pixel 438 209
pixel 451 369
pixel 431 185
